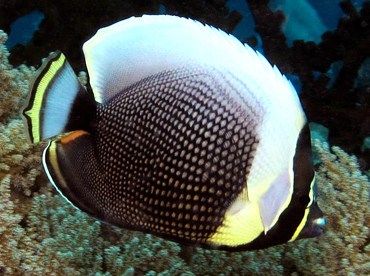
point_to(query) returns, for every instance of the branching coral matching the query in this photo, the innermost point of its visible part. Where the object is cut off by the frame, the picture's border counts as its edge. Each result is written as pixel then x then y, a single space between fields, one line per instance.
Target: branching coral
pixel 19 162
pixel 17 156
pixel 14 82
pixel 10 231
pixel 157 255
pixel 64 239
pixel 56 239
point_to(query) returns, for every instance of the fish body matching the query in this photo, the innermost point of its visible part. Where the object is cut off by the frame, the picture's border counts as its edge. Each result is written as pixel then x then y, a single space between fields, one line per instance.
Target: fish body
pixel 186 134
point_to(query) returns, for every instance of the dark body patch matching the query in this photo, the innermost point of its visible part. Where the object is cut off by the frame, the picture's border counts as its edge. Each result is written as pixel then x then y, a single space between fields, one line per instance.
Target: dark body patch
pixel 176 149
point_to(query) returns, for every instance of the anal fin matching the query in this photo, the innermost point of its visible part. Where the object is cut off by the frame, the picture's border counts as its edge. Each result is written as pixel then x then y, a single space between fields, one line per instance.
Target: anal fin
pixel 72 167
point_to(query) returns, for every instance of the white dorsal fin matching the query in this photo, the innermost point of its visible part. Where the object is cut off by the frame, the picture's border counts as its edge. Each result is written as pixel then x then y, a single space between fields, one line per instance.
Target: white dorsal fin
pixel 135 48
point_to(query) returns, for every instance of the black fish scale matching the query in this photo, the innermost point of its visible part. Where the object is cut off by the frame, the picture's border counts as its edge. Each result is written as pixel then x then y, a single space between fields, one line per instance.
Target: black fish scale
pixel 176 150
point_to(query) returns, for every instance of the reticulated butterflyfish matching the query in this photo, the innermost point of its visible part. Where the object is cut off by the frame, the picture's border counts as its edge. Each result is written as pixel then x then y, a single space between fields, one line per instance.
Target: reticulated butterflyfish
pixel 184 133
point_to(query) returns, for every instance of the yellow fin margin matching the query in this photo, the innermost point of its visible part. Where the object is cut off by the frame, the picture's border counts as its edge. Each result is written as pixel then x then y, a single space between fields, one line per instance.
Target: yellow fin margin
pixel 45 75
pixel 306 212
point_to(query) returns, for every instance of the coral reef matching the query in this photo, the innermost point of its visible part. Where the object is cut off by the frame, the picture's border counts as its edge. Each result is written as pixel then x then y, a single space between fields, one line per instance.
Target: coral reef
pixel 13 83
pixel 14 148
pixel 10 231
pixel 298 25
pixel 41 234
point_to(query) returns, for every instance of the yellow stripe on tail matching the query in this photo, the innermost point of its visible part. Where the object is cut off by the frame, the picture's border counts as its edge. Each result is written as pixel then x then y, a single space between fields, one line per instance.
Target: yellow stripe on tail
pixel 45 76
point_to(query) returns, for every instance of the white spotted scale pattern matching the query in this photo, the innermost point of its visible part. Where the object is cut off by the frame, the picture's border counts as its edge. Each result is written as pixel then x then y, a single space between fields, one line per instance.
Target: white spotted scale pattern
pixel 176 150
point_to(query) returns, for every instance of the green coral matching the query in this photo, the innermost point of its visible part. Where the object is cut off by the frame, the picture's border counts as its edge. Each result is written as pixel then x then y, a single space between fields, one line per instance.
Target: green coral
pixel 14 83
pixel 41 234
pixel 10 231
pixel 60 245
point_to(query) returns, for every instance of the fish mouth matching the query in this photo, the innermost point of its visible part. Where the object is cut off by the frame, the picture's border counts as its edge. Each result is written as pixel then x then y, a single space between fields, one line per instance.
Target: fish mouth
pixel 315 223
pixel 313 228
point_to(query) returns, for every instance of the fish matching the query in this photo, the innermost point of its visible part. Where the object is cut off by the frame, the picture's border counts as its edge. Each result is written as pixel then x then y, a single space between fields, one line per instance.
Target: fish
pixel 182 132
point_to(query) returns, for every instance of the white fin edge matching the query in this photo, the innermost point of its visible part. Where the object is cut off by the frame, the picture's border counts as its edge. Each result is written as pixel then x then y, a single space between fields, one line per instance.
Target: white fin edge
pixel 52 145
